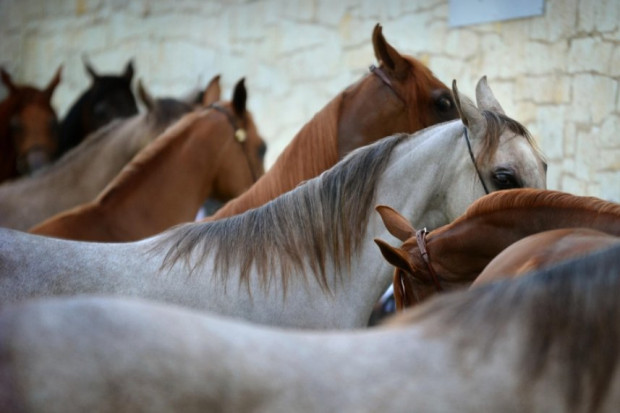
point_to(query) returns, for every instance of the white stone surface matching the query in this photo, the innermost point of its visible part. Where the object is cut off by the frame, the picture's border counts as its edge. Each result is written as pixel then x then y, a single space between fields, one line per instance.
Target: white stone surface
pixel 558 73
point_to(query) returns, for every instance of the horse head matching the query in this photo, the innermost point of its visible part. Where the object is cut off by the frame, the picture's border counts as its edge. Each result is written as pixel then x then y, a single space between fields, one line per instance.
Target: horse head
pixel 110 97
pixel 238 160
pixel 402 93
pixel 32 128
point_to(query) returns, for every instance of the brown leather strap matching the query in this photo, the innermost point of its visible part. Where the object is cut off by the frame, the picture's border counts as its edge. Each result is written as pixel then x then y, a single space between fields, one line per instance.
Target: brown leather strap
pixel 421 238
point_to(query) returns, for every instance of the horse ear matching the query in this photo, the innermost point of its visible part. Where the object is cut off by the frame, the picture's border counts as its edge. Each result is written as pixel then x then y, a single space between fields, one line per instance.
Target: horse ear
pixel 145 96
pixel 49 90
pixel 485 98
pixel 93 74
pixel 7 80
pixel 213 92
pixel 395 223
pixel 394 63
pixel 240 95
pixel 395 256
pixel 470 115
pixel 128 75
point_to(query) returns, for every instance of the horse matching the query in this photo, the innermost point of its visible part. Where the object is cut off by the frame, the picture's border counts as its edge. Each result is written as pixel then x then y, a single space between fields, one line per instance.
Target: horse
pixel 543 249
pixel 454 255
pixel 548 341
pixel 85 170
pixel 28 127
pixel 307 258
pixel 108 97
pixel 215 152
pixel 399 95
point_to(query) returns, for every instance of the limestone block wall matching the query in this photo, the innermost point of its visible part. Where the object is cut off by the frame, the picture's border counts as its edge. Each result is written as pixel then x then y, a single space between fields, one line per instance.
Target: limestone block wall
pixel 558 73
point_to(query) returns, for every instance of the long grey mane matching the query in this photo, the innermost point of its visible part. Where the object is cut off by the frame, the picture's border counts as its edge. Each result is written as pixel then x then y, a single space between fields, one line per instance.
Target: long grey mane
pixel 570 310
pixel 323 216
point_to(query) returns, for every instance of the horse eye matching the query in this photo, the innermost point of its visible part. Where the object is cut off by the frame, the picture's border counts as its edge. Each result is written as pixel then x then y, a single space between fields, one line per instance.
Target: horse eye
pixel 444 104
pixel 505 180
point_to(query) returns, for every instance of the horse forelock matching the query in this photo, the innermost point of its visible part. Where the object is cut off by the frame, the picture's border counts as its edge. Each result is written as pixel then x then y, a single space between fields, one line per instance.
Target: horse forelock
pixel 496 125
pixel 323 217
pixel 569 311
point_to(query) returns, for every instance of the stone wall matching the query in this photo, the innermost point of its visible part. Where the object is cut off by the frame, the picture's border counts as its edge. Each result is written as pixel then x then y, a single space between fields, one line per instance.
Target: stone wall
pixel 558 73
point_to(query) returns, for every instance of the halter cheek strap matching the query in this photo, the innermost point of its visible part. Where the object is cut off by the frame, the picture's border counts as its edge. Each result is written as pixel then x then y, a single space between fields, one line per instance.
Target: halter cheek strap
pixel 421 239
pixel 381 75
pixel 239 133
pixel 473 159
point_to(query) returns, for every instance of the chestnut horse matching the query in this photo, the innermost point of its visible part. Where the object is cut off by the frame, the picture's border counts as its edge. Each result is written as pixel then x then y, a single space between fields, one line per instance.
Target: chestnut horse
pixel 307 258
pixel 543 249
pixel 400 95
pixel 85 170
pixel 108 97
pixel 28 128
pixel 216 152
pixel 454 255
pixel 546 342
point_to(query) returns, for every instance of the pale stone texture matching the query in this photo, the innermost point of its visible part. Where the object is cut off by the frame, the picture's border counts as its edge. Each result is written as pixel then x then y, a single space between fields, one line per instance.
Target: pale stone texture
pixel 559 73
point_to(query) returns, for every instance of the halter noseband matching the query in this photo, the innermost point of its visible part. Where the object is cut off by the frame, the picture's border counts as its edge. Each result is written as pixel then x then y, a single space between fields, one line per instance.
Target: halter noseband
pixel 381 75
pixel 239 133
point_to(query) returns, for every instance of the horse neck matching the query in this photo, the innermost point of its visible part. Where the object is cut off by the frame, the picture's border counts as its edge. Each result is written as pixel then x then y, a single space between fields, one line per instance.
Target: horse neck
pixel 148 187
pixel 313 150
pixel 72 129
pixel 8 165
pixel 468 245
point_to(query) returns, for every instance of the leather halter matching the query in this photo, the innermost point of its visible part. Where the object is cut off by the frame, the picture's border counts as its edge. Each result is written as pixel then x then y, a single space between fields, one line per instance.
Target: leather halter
pixel 473 159
pixel 420 236
pixel 381 75
pixel 239 132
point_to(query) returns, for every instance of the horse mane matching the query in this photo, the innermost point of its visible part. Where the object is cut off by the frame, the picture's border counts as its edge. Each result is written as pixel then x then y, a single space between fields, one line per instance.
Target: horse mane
pixel 496 124
pixel 528 198
pixel 569 310
pixel 317 140
pixel 299 229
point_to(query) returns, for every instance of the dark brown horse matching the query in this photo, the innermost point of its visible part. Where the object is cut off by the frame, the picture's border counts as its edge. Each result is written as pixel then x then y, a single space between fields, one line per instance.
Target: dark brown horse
pixel 108 97
pixel 400 95
pixel 454 255
pixel 28 127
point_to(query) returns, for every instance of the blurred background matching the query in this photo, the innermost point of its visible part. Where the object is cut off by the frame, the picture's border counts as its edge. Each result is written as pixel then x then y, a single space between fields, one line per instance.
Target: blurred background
pixel 556 71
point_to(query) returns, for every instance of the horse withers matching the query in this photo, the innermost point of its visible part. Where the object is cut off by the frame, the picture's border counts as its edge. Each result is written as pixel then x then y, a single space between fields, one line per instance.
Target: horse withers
pixel 28 127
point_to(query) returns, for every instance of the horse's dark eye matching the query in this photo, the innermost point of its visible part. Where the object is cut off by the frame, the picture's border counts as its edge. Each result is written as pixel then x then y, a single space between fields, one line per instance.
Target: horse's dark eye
pixel 444 104
pixel 505 180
